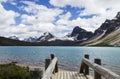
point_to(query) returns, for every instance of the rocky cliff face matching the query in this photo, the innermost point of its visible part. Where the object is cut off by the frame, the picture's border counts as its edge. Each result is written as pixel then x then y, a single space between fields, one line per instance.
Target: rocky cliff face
pixel 45 37
pixel 80 34
pixel 109 26
pixel 107 34
pixel 31 39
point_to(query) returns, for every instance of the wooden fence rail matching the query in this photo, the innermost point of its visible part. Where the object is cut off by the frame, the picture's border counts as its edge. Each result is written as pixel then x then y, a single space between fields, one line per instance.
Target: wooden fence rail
pixel 98 70
pixel 50 67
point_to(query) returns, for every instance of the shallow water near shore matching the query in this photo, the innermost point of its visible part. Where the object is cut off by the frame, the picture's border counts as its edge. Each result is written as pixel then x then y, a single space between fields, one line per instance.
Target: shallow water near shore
pixel 69 58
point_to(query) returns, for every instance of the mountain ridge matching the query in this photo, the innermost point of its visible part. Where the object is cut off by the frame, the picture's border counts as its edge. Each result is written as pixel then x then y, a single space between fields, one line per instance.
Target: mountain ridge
pixel 103 36
pixel 105 31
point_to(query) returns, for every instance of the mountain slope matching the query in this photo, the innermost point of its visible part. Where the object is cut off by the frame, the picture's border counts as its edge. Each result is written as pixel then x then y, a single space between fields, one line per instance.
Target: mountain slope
pixel 106 34
pixel 80 34
pixel 14 37
pixel 11 42
pixel 30 39
pixel 45 37
pixel 112 39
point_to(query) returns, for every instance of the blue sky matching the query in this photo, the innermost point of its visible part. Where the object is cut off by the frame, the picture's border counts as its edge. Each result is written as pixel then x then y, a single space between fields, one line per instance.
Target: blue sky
pixel 24 18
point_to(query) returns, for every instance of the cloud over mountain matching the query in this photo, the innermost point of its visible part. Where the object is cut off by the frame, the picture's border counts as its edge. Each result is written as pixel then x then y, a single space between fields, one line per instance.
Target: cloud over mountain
pixel 31 18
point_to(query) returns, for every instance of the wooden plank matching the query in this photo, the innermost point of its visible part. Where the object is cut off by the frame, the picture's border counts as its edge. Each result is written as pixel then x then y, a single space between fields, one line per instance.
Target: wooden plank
pixel 71 75
pixel 56 65
pixel 58 76
pixel 47 63
pixel 74 77
pixel 48 73
pixel 101 70
pixel 65 74
pixel 96 74
pixel 68 75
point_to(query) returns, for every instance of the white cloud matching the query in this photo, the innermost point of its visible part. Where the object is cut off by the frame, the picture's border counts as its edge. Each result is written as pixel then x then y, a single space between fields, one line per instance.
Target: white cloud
pixel 43 19
pixel 98 7
pixel 41 14
pixel 91 6
pixel 40 21
pixel 7 17
pixel 66 16
pixel 3 0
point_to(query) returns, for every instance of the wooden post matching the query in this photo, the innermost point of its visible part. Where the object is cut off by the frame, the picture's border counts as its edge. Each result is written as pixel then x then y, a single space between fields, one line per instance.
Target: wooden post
pixel 56 66
pixel 52 56
pixel 81 67
pixel 47 63
pixel 96 74
pixel 86 66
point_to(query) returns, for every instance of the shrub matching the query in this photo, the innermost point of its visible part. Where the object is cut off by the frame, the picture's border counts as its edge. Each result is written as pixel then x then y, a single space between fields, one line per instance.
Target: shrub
pixel 12 71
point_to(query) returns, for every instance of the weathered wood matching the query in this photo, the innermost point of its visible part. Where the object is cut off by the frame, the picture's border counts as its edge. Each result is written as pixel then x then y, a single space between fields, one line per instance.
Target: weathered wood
pixel 52 56
pixel 86 66
pixel 81 67
pixel 47 63
pixel 63 74
pixel 48 73
pixel 56 66
pixel 96 74
pixel 101 70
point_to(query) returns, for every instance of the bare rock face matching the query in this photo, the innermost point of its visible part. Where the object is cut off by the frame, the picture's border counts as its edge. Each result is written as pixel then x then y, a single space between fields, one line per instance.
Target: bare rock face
pixel 45 37
pixel 31 39
pixel 80 33
pixel 118 15
pixel 109 26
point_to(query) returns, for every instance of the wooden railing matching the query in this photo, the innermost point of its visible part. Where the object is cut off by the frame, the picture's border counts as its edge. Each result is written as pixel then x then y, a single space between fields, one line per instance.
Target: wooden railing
pixel 51 67
pixel 99 71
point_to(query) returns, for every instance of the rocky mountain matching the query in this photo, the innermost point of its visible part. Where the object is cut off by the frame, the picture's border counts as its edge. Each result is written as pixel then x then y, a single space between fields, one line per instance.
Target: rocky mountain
pixel 50 40
pixel 14 37
pixel 11 42
pixel 112 39
pixel 107 34
pixel 76 35
pixel 31 39
pixel 45 37
pixel 80 34
pixel 109 26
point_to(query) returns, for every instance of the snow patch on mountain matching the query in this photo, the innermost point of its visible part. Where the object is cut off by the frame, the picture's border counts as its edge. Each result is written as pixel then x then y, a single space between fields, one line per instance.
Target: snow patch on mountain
pixel 14 37
pixel 62 39
pixel 31 39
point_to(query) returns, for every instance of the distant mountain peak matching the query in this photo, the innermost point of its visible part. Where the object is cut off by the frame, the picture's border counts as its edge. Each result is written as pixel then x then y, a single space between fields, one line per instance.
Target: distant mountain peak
pixel 47 34
pixel 118 15
pixel 31 39
pixel 77 29
pixel 80 34
pixel 45 37
pixel 14 37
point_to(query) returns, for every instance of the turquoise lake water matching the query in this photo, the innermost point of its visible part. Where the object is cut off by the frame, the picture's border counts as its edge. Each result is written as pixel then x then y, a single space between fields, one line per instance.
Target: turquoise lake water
pixel 69 57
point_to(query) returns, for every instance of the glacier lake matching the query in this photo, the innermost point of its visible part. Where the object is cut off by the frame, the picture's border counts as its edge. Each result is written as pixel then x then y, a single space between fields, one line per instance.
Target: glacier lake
pixel 68 57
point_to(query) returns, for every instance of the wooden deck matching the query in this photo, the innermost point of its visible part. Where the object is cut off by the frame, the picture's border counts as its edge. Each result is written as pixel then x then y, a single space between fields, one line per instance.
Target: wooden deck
pixel 52 72
pixel 62 74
